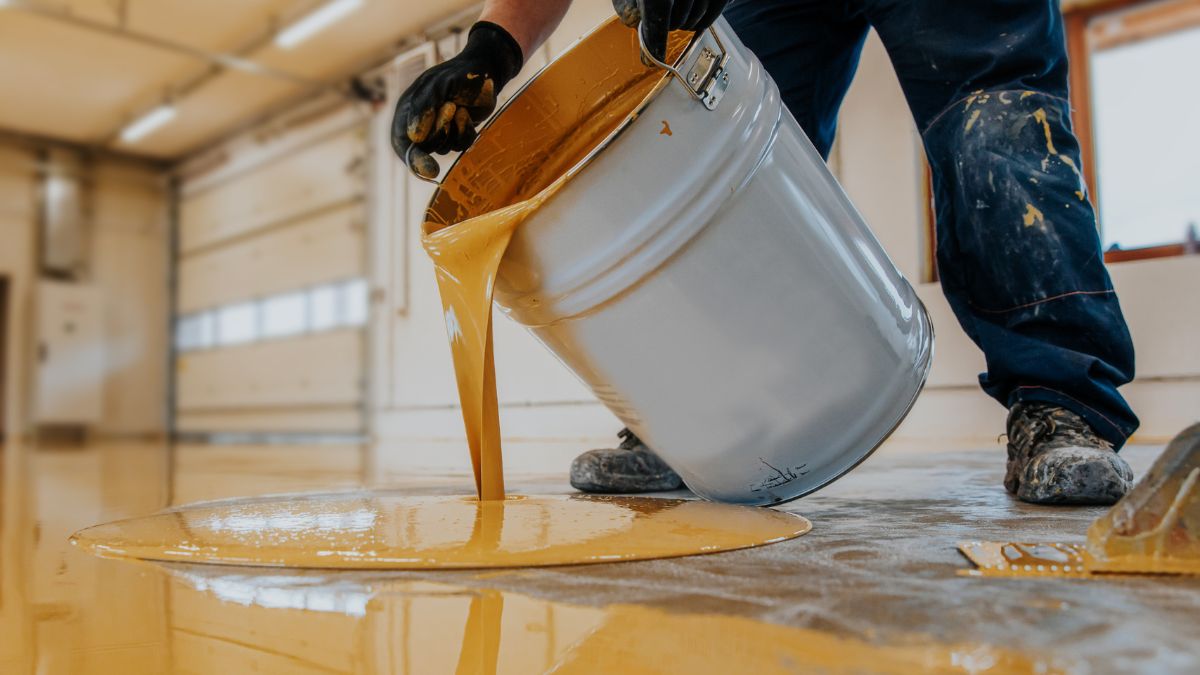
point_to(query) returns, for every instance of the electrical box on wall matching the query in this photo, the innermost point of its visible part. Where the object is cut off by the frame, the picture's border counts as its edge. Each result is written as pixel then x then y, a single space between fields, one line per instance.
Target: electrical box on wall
pixel 70 356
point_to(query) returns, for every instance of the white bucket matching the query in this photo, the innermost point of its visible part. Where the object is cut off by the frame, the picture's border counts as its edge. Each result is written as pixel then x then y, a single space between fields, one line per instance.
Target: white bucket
pixel 713 286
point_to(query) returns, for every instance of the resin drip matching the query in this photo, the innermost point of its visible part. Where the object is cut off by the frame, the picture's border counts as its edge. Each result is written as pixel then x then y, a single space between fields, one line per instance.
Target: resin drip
pixel 515 168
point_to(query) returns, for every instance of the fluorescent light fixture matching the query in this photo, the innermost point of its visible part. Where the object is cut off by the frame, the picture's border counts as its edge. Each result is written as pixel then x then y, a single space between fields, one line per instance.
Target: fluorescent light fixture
pixel 148 123
pixel 316 21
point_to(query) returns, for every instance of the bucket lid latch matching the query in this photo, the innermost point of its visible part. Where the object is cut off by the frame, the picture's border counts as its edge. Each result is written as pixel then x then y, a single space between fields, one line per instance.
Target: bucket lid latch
pixel 708 80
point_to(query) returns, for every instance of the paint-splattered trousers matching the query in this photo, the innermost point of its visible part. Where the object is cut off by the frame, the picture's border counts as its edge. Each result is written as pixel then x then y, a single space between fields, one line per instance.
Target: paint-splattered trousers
pixel 1018 249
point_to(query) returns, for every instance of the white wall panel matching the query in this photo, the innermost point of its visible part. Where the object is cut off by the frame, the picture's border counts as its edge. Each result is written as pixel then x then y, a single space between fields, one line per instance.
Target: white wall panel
pixel 325 247
pixel 129 262
pixel 314 370
pixel 318 176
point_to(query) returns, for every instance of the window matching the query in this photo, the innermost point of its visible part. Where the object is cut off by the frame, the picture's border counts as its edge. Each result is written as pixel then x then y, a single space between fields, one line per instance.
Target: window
pixel 1147 144
pixel 1134 102
pixel 323 308
pixel 354 302
pixel 195 332
pixel 341 304
pixel 285 315
pixel 237 324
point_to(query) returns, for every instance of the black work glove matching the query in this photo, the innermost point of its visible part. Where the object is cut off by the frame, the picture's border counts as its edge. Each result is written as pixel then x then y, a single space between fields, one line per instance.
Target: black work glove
pixel 659 17
pixel 439 112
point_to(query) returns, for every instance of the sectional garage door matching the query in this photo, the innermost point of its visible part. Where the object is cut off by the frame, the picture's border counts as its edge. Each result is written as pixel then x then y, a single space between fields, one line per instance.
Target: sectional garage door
pixel 271 296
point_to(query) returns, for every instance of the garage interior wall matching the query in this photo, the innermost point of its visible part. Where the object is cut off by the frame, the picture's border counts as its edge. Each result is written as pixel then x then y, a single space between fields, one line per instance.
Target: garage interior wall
pixel 126 258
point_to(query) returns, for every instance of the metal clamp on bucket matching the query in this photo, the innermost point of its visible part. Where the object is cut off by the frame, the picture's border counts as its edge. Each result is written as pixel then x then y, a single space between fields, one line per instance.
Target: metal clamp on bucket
pixel 708 80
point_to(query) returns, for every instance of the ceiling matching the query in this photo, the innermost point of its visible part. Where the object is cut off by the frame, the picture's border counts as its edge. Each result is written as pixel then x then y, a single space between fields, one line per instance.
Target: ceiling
pixel 81 70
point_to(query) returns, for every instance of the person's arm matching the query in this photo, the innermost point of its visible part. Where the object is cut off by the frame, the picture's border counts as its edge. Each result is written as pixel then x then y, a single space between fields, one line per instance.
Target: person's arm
pixel 530 22
pixel 442 108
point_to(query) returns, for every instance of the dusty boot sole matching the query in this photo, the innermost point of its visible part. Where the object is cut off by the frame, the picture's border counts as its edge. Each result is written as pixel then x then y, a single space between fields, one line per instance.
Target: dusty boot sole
pixel 1075 476
pixel 622 472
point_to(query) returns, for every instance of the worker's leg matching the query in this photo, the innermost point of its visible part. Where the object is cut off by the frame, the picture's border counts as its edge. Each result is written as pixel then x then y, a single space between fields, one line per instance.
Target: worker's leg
pixel 811 49
pixel 1018 248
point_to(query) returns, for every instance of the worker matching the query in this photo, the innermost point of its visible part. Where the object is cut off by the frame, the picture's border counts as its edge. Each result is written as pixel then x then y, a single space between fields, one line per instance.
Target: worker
pixel 1017 244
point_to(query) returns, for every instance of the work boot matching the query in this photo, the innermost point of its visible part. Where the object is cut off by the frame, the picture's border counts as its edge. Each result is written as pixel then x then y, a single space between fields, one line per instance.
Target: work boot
pixel 1054 457
pixel 631 467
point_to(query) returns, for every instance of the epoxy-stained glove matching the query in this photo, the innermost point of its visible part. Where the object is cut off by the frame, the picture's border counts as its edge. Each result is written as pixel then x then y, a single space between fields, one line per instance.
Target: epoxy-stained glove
pixel 659 17
pixel 439 112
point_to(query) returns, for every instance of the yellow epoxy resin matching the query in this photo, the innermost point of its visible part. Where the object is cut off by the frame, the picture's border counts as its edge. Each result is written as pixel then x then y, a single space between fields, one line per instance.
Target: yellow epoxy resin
pixel 389 530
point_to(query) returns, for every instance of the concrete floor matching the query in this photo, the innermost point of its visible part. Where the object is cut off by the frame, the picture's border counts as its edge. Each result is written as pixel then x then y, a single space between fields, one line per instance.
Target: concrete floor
pixel 876 587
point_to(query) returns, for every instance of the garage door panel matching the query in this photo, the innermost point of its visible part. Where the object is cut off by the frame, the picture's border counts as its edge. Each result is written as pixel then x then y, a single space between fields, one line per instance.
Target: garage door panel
pixel 323 248
pixel 314 370
pixel 324 174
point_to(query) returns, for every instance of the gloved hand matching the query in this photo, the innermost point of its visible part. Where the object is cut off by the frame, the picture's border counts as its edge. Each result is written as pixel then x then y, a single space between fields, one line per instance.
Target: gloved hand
pixel 659 17
pixel 439 112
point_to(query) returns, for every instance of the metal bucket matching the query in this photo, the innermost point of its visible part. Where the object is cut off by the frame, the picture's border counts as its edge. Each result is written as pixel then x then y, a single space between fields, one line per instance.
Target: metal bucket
pixel 704 273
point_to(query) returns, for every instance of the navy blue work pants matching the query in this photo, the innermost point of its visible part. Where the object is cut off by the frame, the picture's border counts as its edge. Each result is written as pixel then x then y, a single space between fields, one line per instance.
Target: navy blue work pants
pixel 1018 249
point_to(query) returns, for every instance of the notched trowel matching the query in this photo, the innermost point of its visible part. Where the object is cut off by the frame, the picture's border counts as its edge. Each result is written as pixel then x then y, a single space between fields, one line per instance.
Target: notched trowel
pixel 1155 529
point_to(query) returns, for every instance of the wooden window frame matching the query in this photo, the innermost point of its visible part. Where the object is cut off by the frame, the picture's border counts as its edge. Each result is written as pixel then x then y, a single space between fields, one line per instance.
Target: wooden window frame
pixel 1150 19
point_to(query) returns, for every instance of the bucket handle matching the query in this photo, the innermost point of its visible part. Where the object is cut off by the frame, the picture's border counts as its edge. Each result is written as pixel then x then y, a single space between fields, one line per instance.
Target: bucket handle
pixel 708 79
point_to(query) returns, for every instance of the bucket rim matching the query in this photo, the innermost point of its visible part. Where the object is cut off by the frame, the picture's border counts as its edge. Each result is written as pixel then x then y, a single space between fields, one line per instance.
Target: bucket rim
pixel 608 140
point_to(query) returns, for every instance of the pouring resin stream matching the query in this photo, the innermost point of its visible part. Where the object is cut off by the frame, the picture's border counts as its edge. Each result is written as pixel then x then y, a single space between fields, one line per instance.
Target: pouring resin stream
pixel 393 530
pixel 467 254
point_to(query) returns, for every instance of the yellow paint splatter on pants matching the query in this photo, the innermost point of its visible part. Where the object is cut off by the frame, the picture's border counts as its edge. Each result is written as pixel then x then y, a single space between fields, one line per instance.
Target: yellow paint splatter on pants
pixel 974 118
pixel 1040 116
pixel 1034 215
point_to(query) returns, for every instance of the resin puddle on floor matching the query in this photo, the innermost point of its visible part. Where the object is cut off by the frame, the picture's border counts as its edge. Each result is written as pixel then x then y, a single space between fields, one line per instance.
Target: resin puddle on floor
pixel 394 530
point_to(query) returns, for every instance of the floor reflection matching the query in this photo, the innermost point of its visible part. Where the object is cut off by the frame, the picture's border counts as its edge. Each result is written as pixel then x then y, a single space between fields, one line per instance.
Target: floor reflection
pixel 64 611
pixel 352 623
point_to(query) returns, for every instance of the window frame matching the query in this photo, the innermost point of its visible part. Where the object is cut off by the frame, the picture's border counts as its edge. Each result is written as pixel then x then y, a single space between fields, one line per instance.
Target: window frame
pixel 1078 19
